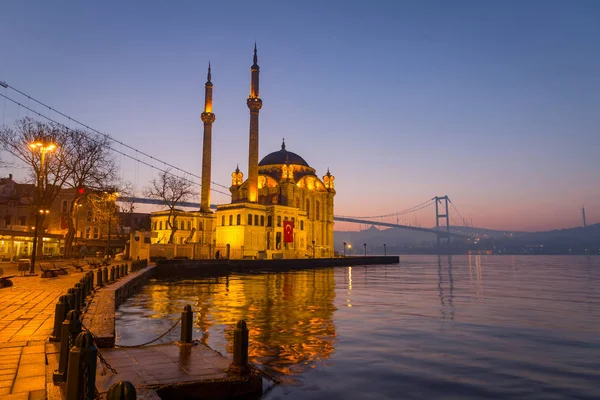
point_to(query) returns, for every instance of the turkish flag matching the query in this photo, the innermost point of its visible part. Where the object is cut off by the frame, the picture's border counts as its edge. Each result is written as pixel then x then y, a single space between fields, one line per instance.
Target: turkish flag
pixel 288 232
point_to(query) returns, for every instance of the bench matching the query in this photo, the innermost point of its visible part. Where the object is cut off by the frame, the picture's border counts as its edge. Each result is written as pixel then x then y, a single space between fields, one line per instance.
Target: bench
pixel 93 264
pixel 24 265
pixel 49 272
pixel 5 280
pixel 78 267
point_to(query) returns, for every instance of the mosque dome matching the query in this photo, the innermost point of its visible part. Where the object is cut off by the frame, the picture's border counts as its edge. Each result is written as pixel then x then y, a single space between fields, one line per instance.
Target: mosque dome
pixel 281 157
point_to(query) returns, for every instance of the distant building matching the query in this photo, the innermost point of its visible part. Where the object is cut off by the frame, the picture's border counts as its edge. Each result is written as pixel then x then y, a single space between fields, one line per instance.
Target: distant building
pixel 282 192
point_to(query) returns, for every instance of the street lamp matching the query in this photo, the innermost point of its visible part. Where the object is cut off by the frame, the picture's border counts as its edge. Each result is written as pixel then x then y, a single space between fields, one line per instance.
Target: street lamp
pixel 112 196
pixel 344 249
pixel 384 250
pixel 365 245
pixel 43 148
pixel 350 249
pixel 313 243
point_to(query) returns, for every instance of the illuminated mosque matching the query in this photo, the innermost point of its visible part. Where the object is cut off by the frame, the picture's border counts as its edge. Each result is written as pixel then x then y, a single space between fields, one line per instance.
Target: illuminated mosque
pixel 281 210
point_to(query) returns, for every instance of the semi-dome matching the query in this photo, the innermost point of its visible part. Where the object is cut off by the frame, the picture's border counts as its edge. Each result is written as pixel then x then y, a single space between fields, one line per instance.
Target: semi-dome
pixel 281 157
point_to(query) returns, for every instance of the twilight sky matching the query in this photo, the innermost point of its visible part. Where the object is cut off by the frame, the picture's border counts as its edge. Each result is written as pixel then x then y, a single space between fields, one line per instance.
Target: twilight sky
pixel 496 104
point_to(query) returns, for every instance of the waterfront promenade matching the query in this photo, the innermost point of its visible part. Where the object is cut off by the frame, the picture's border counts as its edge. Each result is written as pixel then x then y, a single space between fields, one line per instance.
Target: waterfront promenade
pixel 26 321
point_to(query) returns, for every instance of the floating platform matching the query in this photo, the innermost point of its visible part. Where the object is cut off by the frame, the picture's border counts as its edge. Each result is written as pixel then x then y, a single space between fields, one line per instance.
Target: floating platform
pixel 187 268
pixel 177 371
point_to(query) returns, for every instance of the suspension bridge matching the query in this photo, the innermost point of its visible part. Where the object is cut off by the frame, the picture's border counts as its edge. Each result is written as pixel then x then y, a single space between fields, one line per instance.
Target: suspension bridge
pixel 391 220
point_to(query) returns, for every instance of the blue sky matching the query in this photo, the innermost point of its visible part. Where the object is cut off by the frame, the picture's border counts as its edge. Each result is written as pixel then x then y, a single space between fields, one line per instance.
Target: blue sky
pixel 493 103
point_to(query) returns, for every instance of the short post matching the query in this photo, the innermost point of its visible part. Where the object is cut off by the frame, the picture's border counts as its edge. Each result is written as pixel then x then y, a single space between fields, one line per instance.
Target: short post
pixel 122 270
pixel 77 298
pixel 83 284
pixel 91 275
pixel 126 269
pixel 240 349
pixel 60 312
pixel 105 275
pixel 187 319
pixel 117 272
pixel 81 374
pixel 71 327
pixel 71 298
pixel 80 298
pixel 112 274
pixel 121 391
pixel 99 277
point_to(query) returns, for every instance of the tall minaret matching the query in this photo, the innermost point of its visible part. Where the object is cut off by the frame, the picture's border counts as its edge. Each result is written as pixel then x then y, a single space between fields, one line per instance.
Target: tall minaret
pixel 583 214
pixel 208 118
pixel 254 104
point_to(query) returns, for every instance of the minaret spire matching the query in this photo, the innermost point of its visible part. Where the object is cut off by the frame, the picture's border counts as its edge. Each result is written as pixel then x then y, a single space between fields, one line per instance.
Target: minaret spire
pixel 254 104
pixel 208 118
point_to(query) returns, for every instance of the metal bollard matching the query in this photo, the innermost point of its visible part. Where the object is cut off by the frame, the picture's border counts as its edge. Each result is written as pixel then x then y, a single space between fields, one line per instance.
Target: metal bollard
pixel 81 374
pixel 99 277
pixel 60 313
pixel 121 391
pixel 112 274
pixel 126 269
pixel 117 273
pixel 71 327
pixel 80 298
pixel 105 275
pixel 91 279
pixel 71 298
pixel 122 269
pixel 187 320
pixel 239 364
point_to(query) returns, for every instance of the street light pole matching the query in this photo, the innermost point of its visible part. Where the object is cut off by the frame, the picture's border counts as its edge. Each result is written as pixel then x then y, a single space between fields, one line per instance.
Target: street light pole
pixel 384 250
pixel 344 249
pixel 365 245
pixel 43 148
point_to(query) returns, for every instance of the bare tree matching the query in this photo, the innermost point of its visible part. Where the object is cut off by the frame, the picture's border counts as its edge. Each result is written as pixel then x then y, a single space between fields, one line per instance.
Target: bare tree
pixel 104 210
pixel 171 190
pixel 92 169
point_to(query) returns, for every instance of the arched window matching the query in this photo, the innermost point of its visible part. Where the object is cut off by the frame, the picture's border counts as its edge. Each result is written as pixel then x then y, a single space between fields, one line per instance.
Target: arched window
pixel 239 219
pixel 182 225
pixel 249 219
pixel 160 225
pixel 307 209
pixel 89 216
pixel 223 220
pixel 297 202
pixel 317 211
pixel 301 225
pixel 201 225
pixel 293 222
pixel 262 220
pixel 279 220
pixel 256 220
pixel 190 225
pixel 155 225
pixel 269 221
pixel 231 219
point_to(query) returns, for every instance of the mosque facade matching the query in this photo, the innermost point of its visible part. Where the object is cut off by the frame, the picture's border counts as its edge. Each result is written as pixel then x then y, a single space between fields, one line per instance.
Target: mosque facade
pixel 283 209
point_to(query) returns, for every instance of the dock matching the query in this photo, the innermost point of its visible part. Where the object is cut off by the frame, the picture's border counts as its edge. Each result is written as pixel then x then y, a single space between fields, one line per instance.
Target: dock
pixel 176 371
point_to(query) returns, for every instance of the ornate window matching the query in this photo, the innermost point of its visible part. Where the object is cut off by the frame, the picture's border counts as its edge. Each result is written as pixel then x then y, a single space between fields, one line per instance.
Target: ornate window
pixel 231 219
pixel 269 221
pixel 256 220
pixel 223 220
pixel 239 219
pixel 262 220
pixel 249 219
pixel 279 220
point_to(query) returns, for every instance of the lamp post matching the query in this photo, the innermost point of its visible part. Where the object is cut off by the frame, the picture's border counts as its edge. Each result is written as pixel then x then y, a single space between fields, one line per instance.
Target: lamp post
pixel 350 249
pixel 384 250
pixel 112 196
pixel 43 148
pixel 344 249
pixel 313 243
pixel 365 245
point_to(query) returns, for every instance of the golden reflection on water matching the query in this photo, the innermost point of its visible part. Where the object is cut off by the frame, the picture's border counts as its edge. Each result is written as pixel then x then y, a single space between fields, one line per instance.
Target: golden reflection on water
pixel 289 315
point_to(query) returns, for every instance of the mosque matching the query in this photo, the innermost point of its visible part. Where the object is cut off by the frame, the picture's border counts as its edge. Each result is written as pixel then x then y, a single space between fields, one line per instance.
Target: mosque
pixel 281 210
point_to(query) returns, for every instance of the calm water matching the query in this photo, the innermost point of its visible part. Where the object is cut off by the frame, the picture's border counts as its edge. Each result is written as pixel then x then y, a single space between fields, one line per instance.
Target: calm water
pixel 430 328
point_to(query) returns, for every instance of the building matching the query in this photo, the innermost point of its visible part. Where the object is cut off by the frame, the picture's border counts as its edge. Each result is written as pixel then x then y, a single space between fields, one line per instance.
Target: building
pixel 282 210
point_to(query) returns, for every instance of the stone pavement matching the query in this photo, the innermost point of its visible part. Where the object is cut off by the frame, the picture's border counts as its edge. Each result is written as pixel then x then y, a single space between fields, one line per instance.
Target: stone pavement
pixel 26 322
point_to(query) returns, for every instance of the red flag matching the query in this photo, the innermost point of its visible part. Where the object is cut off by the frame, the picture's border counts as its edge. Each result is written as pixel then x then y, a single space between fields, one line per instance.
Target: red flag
pixel 288 232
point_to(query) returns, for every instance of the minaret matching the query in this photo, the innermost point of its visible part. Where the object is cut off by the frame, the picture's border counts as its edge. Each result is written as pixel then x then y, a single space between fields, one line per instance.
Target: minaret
pixel 208 118
pixel 583 215
pixel 254 104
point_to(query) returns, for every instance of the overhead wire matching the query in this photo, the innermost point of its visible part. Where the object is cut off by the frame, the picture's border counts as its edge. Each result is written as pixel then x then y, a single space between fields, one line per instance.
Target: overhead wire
pixel 166 171
pixel 108 136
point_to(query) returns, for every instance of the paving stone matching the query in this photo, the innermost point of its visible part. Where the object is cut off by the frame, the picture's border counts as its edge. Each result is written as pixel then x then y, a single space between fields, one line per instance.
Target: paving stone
pixel 28 370
pixel 29 384
pixel 33 358
pixel 37 395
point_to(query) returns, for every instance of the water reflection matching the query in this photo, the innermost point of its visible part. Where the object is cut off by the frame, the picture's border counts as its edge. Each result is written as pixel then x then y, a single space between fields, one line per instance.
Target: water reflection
pixel 289 315
pixel 446 306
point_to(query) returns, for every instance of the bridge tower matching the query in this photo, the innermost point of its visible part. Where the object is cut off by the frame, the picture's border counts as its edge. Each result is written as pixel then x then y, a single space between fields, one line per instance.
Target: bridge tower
pixel 438 216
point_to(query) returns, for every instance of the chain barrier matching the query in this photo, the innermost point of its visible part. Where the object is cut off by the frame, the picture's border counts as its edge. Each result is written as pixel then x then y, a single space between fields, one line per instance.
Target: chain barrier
pixel 97 340
pixel 152 341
